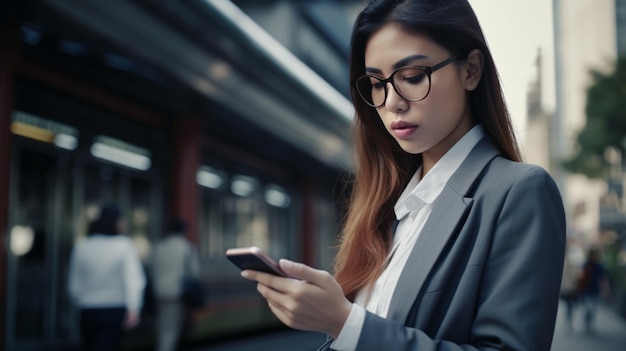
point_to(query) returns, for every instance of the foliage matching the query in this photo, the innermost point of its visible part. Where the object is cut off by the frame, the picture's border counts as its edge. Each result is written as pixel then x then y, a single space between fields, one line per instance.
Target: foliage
pixel 606 122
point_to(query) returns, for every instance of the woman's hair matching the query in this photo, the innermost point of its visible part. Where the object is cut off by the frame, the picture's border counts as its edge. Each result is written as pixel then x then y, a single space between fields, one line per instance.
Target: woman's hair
pixel 107 221
pixel 382 168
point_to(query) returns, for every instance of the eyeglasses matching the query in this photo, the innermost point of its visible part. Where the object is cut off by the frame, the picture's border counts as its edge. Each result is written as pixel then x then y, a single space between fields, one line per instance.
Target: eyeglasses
pixel 412 83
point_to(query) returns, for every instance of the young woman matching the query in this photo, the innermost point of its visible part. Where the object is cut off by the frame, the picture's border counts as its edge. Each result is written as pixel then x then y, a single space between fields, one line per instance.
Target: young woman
pixel 450 242
pixel 106 281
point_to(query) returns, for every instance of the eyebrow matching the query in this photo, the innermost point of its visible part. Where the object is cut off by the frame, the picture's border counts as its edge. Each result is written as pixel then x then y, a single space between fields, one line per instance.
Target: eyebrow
pixel 404 62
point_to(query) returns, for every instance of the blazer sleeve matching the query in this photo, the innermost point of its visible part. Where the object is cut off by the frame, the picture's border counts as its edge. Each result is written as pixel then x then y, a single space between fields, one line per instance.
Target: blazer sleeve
pixel 521 281
pixel 518 294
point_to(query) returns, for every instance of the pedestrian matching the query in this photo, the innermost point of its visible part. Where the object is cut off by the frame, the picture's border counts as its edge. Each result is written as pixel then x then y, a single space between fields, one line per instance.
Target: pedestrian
pixel 175 260
pixel 568 292
pixel 593 283
pixel 450 242
pixel 106 281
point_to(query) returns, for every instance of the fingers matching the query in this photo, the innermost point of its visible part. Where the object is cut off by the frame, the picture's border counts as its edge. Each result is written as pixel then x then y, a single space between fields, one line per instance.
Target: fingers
pixel 292 269
pixel 297 272
pixel 304 272
pixel 263 278
pixel 280 303
pixel 296 301
pixel 269 293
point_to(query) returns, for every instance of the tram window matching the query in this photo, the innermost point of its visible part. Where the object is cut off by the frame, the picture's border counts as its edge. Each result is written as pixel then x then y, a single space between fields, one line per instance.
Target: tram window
pixel 140 219
pixel 33 243
pixel 44 130
pixel 248 213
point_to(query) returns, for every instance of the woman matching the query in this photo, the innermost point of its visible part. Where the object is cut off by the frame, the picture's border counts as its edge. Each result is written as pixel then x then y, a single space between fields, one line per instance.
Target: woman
pixel 450 242
pixel 106 280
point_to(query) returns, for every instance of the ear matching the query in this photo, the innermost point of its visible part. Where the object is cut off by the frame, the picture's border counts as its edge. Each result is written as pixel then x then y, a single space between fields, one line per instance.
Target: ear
pixel 473 69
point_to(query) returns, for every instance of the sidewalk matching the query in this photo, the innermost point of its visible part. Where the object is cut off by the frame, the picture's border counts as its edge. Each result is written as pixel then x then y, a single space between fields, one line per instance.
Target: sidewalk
pixel 608 335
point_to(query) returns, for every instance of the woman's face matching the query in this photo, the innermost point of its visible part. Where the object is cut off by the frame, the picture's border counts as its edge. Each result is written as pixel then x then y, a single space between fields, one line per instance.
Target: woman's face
pixel 430 126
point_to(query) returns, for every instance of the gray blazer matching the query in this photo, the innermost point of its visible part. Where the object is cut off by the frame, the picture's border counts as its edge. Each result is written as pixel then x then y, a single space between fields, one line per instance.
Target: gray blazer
pixel 485 272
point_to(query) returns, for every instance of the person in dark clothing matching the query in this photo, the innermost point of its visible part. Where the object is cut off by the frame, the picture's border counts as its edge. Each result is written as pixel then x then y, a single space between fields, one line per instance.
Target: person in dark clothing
pixel 593 284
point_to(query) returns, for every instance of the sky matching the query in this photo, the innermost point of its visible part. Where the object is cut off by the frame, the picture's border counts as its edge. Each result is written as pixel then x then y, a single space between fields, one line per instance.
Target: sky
pixel 514 31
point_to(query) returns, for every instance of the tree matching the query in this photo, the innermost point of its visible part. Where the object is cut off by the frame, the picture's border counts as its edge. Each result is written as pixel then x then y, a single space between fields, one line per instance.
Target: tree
pixel 606 122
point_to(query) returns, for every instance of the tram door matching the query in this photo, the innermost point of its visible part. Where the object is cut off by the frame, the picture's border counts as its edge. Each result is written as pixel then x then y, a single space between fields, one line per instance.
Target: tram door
pixel 53 198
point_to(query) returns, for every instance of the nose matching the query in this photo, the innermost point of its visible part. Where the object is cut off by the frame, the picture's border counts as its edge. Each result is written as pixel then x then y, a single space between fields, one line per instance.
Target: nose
pixel 393 100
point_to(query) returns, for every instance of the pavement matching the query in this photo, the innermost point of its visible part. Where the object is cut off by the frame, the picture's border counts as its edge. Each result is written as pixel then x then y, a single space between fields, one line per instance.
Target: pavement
pixel 609 334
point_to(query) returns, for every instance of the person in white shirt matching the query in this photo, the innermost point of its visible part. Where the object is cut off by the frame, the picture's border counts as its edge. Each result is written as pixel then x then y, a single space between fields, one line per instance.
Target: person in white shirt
pixel 174 259
pixel 106 281
pixel 450 241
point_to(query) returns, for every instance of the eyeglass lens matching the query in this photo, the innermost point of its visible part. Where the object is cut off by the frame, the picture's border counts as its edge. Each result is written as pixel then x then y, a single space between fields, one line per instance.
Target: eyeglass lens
pixel 412 83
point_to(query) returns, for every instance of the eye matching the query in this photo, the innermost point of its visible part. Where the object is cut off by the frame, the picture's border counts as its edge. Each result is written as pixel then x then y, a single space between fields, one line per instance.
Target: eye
pixel 377 84
pixel 411 75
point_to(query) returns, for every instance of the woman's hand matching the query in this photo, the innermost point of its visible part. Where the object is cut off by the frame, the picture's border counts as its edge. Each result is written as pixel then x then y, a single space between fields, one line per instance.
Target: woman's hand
pixel 313 301
pixel 131 319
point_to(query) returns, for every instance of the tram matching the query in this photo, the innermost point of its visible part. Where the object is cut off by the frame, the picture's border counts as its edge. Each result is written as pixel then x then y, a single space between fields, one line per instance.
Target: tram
pixel 124 102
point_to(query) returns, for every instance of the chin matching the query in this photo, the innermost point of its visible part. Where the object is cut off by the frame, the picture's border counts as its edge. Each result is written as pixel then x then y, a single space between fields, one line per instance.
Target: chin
pixel 412 148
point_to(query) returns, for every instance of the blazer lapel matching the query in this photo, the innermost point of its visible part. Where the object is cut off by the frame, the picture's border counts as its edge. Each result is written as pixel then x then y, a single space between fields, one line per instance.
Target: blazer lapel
pixel 448 211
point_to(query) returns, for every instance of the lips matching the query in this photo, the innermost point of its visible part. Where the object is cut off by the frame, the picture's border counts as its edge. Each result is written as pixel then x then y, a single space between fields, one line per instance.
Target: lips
pixel 403 129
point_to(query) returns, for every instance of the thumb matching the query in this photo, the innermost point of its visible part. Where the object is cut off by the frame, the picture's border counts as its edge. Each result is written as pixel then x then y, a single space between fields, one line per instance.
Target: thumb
pixel 299 270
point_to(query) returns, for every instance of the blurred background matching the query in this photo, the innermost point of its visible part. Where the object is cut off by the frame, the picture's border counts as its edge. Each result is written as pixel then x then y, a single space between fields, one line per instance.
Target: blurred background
pixel 235 116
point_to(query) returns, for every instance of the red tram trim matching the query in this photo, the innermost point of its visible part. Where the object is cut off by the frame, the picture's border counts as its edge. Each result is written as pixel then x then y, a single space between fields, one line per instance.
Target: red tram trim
pixel 9 55
pixel 90 94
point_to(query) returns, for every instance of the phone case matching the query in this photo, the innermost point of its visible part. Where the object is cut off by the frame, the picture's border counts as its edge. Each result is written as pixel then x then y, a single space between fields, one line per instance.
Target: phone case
pixel 253 258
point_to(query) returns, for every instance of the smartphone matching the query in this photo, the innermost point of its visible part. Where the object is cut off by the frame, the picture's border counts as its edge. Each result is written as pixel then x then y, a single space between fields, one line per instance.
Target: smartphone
pixel 255 259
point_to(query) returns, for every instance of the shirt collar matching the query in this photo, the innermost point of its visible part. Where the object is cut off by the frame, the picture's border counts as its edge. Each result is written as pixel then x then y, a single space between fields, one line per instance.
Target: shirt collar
pixel 421 192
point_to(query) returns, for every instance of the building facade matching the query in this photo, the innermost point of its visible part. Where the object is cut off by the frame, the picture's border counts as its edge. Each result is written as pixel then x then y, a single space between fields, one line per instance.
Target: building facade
pixel 585 39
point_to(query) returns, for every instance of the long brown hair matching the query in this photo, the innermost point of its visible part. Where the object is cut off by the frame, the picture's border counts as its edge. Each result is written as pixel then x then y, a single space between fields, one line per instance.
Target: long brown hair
pixel 382 168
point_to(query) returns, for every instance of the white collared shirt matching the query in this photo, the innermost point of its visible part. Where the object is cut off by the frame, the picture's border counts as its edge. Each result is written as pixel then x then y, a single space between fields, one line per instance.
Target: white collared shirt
pixel 412 211
pixel 106 271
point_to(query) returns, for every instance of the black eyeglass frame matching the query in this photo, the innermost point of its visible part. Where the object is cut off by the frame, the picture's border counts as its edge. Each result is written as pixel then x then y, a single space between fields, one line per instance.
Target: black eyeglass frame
pixel 427 69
